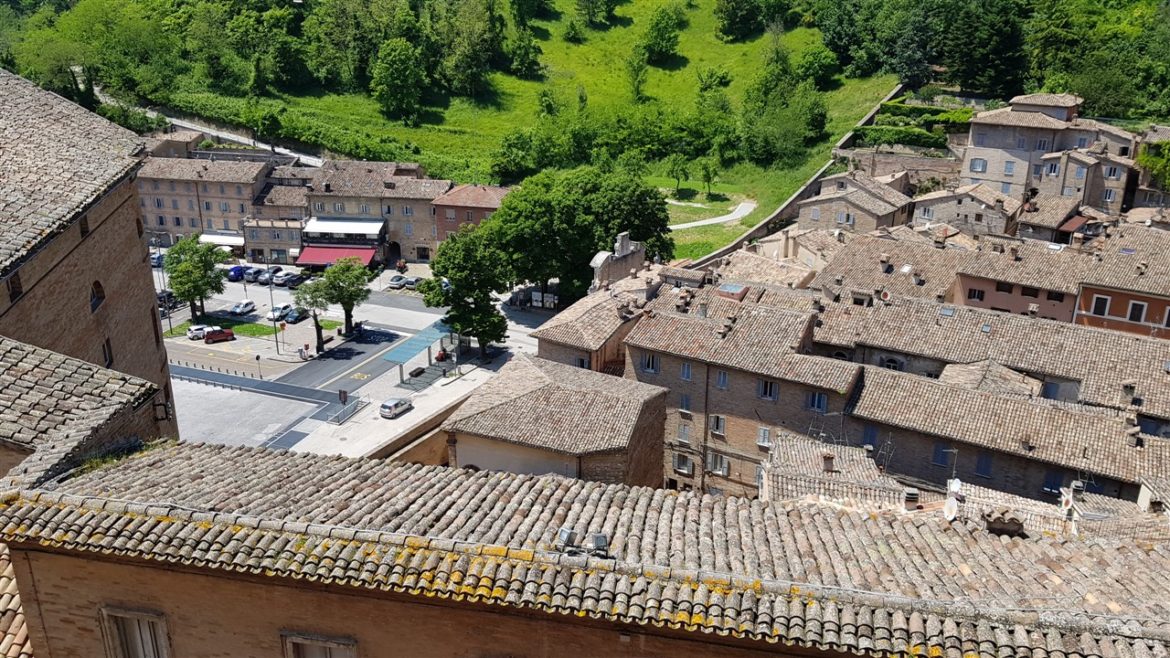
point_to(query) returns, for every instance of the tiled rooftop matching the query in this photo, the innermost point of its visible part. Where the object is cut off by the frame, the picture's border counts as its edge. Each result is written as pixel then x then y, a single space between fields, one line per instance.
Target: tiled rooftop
pixel 809 575
pixel 989 376
pixel 56 158
pixel 859 266
pixel 745 266
pixel 1030 263
pixel 473 196
pixel 1049 211
pixel 589 322
pixel 1049 100
pixel 552 406
pixel 296 196
pixel 870 185
pixel 796 468
pixel 1132 257
pixel 389 180
pixel 980 192
pixel 203 171
pixel 1005 116
pixel 14 642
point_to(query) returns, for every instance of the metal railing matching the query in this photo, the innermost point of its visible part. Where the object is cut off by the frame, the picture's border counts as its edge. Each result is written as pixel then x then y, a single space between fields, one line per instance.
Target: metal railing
pixel 348 411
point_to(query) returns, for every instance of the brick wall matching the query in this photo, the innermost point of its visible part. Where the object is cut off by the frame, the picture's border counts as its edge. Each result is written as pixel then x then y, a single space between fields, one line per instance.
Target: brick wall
pixel 919 167
pixel 563 354
pixel 1155 322
pixel 863 222
pixel 216 616
pixel 55 313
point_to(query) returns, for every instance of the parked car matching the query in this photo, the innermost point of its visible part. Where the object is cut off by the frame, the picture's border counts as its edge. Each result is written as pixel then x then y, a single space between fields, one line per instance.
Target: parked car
pixel 281 278
pixel 200 331
pixel 218 335
pixel 395 407
pixel 293 282
pixel 243 307
pixel 278 312
pixel 236 273
pixel 296 315
pixel 413 281
pixel 156 260
pixel 265 277
pixel 444 283
pixel 166 299
pixel 397 281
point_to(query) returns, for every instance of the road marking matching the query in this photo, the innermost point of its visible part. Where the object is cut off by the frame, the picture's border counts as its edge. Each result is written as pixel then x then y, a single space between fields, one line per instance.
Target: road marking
pixel 361 375
pixel 347 373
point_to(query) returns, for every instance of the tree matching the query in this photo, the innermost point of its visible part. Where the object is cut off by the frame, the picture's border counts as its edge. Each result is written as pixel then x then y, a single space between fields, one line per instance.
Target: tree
pixel 474 269
pixel 525 54
pixel 191 268
pixel 661 38
pixel 738 19
pixel 676 168
pixel 346 285
pixel 399 79
pixel 986 48
pixel 573 32
pixel 314 296
pixel 818 64
pixel 708 172
pixel 636 65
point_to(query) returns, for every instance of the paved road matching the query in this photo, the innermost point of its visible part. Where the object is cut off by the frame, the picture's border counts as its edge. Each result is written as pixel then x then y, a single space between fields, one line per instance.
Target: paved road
pixel 348 366
pixel 739 212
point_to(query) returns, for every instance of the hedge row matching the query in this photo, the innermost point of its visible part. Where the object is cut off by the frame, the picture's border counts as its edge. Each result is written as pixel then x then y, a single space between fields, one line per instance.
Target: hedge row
pixel 908 135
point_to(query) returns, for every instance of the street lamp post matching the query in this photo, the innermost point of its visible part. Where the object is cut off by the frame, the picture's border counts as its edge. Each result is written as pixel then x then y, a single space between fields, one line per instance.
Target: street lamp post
pixel 272 314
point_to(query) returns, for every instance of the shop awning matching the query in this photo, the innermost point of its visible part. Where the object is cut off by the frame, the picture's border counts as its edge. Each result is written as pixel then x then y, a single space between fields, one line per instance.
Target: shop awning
pixel 330 255
pixel 344 227
pixel 222 240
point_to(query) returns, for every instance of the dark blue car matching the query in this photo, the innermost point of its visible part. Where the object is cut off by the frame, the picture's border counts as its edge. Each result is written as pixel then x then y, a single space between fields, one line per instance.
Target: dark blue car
pixel 236 273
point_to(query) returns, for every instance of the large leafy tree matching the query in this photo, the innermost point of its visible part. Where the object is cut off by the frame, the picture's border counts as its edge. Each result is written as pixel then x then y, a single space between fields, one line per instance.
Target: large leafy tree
pixel 738 19
pixel 661 37
pixel 345 284
pixel 398 80
pixel 191 268
pixel 474 269
pixel 986 49
pixel 314 297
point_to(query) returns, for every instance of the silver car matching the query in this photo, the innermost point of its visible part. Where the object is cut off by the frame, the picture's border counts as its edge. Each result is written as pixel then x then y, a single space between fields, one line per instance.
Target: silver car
pixel 395 407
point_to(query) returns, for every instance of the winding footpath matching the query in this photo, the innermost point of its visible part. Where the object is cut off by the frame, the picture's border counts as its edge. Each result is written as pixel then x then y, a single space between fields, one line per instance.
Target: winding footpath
pixel 739 212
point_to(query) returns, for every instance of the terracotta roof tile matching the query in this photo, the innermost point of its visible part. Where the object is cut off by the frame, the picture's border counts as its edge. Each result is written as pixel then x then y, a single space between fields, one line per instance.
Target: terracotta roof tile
pixel 589 322
pixel 552 406
pixel 472 196
pixel 56 158
pixel 206 171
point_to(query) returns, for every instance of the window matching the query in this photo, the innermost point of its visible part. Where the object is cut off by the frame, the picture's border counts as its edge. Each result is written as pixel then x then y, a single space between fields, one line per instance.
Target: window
pixel 684 402
pixel 227 225
pixel 814 214
pixel 311 647
pixel 162 221
pixel 983 464
pixel 686 371
pixel 1137 312
pixel 1053 481
pixel 1021 142
pixel 158 203
pixel 764 437
pixel 978 165
pixel 469 217
pixel 941 455
pixel 1123 151
pixel 869 435
pixel 408 229
pixel 581 362
pixel 338 206
pixel 979 217
pixel 207 205
pixel 1054 296
pixel 1000 286
pixel 816 401
pixel 239 190
pixel 174 204
pixel 407 211
pixel 1009 168
pixel 365 209
pixel 1005 188
pixel 684 433
pixel 134 634
pixel 650 362
pixel 682 464
pixel 1037 170
pixel 1053 168
pixel 1079 172
pixel 1109 195
pixel 718 424
pixel 222 189
pixel 449 214
pixel 193 222
pixel 154 185
pixel 15 290
pixel 1042 145
pixel 242 209
pixel 1082 142
pixel 1113 172
pixel 980 139
pixel 97 295
pixel 389 211
pixel 717 463
pixel 1068 191
pixel 975 293
pixel 107 353
pixel 891 363
pixel 767 389
pixel 927 213
pixel 759 476
pixel 224 207
pixel 317 206
pixel 1029 292
pixel 721 380
pixel 83 225
pixel 1101 305
pixel 179 222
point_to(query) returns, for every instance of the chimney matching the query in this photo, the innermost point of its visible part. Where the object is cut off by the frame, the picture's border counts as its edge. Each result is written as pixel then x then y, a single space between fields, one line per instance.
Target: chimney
pixel 827 461
pixel 1015 251
pixel 1078 490
pixel 451 456
pixel 999 205
pixel 910 498
pixel 633 273
pixel 702 309
pixel 1142 267
pixel 884 259
pixel 918 279
pixel 839 279
pixel 1128 390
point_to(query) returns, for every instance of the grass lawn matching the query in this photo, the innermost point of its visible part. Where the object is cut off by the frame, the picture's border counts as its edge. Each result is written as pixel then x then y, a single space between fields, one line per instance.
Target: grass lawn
pixel 330 325
pixel 240 327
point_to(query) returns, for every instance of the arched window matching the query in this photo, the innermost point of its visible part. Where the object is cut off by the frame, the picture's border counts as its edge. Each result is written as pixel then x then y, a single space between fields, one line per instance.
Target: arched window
pixel 97 295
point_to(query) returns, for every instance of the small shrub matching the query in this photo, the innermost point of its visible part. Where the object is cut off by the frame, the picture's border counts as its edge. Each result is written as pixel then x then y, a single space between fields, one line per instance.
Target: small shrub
pixel 574 33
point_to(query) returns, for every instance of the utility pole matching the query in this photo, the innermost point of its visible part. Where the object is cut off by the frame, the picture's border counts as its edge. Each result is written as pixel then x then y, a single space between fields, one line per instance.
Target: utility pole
pixel 272 314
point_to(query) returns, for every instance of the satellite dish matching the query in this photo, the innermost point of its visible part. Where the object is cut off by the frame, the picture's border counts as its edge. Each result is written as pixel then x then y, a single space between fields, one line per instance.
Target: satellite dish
pixel 950 509
pixel 954 484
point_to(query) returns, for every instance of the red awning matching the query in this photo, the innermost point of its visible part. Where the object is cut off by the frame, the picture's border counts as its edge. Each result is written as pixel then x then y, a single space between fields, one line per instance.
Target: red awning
pixel 330 255
pixel 1073 224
